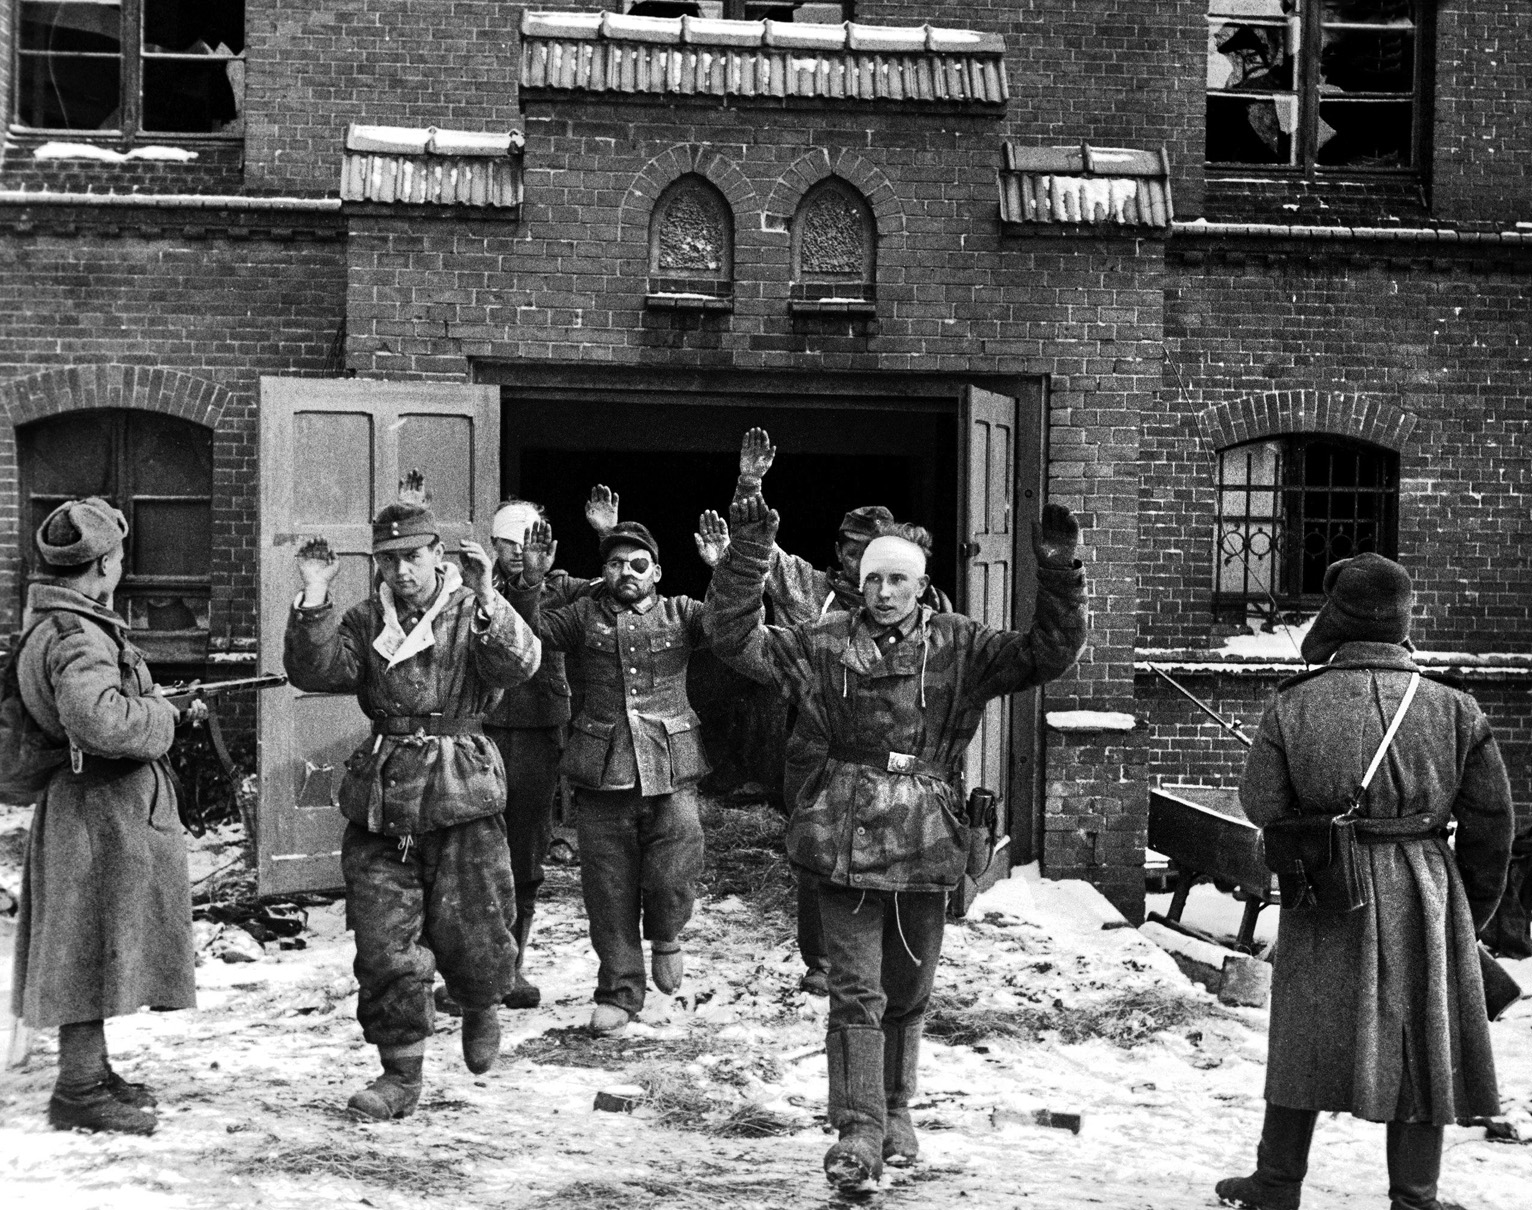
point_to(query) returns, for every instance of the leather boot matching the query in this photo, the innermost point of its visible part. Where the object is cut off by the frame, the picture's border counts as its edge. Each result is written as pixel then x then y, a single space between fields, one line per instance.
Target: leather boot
pixel 901 1058
pixel 481 1038
pixel 396 1092
pixel 1414 1164
pixel 96 1108
pixel 1281 1163
pixel 857 1107
pixel 522 993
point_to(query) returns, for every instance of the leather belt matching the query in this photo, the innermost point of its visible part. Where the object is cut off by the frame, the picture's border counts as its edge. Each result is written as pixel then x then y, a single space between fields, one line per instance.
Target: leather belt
pixel 887 761
pixel 426 724
pixel 1369 831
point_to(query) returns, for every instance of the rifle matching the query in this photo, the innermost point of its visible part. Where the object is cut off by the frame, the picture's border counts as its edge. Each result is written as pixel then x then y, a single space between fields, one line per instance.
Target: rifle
pixel 183 692
pixel 1231 726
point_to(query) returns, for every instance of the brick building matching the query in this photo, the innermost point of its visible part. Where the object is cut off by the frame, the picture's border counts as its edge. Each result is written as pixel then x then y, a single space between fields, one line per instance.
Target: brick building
pixel 1244 282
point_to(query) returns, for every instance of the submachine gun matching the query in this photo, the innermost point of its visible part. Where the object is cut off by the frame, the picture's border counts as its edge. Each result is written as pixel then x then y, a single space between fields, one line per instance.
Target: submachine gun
pixel 183 693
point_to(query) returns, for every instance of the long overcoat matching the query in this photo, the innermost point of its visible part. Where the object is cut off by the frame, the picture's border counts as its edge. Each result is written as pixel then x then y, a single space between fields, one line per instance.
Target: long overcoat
pixel 1380 1012
pixel 105 922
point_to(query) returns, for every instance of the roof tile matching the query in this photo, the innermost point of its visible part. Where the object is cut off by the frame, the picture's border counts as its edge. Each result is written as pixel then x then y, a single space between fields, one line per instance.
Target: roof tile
pixel 1084 185
pixel 431 167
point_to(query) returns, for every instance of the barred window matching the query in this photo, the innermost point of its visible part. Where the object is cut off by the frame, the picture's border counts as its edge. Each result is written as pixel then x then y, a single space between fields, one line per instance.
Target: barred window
pixel 1287 509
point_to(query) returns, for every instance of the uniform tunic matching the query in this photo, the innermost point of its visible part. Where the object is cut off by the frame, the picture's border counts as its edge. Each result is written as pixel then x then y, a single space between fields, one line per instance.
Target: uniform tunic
pixel 105 921
pixel 1380 1012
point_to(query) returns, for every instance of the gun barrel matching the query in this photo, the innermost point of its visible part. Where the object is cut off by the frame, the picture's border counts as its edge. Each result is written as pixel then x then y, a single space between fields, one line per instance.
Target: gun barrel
pixel 1231 727
pixel 267 680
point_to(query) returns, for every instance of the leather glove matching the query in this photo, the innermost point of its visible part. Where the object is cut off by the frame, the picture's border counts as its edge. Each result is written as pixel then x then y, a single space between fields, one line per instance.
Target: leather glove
pixel 1056 538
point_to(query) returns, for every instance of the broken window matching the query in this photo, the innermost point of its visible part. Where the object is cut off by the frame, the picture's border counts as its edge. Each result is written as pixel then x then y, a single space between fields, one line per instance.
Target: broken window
pixel 1287 509
pixel 159 470
pixel 691 240
pixel 1314 84
pixel 834 243
pixel 135 68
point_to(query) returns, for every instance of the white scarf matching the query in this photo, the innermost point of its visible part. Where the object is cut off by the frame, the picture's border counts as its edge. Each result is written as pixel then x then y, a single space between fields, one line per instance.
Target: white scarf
pixel 393 644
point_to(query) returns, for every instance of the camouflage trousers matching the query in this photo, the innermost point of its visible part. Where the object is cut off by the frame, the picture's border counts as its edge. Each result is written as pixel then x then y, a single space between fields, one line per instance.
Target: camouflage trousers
pixel 438 900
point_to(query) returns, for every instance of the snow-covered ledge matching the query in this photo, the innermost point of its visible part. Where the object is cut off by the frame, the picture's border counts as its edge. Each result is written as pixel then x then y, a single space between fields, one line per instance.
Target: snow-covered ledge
pixel 1488 666
pixel 1090 721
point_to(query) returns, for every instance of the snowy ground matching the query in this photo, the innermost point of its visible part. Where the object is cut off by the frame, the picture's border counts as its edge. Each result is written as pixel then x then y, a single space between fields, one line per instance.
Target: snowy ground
pixel 253 1084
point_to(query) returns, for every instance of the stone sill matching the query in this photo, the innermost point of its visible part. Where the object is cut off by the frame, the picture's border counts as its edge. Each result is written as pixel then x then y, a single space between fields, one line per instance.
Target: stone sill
pixel 687 302
pixel 1493 666
pixel 834 306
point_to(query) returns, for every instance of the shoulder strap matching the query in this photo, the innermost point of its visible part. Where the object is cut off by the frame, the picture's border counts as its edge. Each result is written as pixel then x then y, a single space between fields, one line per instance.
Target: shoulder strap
pixel 1393 730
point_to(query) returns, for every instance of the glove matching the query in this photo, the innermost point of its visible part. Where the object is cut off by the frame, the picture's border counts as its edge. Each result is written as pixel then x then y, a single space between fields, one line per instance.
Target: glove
pixel 751 521
pixel 1056 539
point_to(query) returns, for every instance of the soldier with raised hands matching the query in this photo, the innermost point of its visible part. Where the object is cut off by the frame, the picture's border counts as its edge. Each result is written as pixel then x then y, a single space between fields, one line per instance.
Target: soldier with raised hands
pixel 424 855
pixel 890 694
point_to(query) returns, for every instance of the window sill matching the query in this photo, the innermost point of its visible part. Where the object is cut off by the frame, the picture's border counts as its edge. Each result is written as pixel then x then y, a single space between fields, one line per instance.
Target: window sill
pixel 687 302
pixel 860 307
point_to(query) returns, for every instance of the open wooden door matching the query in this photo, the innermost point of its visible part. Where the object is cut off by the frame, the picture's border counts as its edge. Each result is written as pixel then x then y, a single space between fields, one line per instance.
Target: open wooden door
pixel 332 454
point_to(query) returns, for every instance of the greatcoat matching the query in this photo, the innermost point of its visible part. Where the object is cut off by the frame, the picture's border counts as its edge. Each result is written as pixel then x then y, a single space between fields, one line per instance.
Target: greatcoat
pixel 1380 1012
pixel 105 922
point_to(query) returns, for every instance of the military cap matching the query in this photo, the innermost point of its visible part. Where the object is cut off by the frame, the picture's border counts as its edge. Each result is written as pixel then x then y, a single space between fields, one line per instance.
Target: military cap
pixel 404 527
pixel 1368 599
pixel 866 522
pixel 629 533
pixel 79 531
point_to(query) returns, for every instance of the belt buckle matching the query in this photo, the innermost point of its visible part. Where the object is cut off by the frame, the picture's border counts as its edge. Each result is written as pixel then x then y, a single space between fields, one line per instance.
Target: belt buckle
pixel 901 762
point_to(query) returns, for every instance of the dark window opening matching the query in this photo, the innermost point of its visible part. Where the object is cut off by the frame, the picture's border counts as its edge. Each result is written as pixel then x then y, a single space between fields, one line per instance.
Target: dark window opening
pixel 1290 507
pixel 1308 85
pixel 133 68
pixel 159 470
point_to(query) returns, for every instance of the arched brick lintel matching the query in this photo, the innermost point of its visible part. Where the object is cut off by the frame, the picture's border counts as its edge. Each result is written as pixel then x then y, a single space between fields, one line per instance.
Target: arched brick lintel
pixel 808 170
pixel 1341 414
pixel 76 388
pixel 669 166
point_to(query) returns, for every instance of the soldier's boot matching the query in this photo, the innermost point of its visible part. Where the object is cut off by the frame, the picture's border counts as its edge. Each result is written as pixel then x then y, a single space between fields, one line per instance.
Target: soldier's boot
pixel 140 1096
pixel 83 1096
pixel 608 1020
pixel 1281 1163
pixel 667 963
pixel 857 1107
pixel 481 1038
pixel 815 981
pixel 1414 1164
pixel 901 1058
pixel 445 1004
pixel 396 1092
pixel 522 993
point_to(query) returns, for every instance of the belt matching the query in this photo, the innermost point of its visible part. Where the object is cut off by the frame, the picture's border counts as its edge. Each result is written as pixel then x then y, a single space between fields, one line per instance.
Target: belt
pixel 886 761
pixel 1388 831
pixel 426 724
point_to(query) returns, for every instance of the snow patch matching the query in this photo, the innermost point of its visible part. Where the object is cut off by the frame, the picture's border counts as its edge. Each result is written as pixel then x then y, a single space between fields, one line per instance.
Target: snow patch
pixel 105 155
pixel 1090 720
pixel 1282 642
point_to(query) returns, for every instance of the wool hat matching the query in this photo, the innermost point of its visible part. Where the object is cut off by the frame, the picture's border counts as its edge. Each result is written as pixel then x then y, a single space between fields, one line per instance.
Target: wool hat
pixel 629 533
pixel 866 522
pixel 94 528
pixel 404 527
pixel 1367 600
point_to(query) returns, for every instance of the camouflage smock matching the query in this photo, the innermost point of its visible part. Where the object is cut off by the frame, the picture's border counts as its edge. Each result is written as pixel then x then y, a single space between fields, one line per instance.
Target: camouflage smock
pixel 918 688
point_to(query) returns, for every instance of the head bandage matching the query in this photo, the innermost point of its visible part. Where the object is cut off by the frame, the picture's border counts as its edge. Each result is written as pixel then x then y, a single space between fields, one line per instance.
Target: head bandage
pixel 889 554
pixel 512 522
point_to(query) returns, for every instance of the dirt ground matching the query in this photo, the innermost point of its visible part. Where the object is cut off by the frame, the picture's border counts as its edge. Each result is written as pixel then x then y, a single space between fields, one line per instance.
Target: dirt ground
pixel 1045 1003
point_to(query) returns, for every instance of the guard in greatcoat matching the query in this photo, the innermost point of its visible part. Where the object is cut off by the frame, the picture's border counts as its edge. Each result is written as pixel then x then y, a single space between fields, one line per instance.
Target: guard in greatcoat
pixel 424 854
pixel 105 922
pixel 1379 1012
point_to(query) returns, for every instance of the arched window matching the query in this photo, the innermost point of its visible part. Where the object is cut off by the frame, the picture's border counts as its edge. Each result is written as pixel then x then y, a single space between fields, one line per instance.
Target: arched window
pixel 691 241
pixel 834 244
pixel 1290 506
pixel 159 470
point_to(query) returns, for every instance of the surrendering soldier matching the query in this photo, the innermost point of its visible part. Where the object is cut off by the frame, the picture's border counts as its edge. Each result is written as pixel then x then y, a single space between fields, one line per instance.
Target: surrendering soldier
pixel 890 694
pixel 424 855
pixel 634 757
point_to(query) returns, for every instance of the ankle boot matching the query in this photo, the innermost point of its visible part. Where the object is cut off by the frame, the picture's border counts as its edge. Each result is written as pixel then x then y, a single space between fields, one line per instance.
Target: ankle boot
pixel 522 993
pixel 481 1038
pixel 857 1107
pixel 1281 1163
pixel 396 1092
pixel 901 1058
pixel 96 1108
pixel 1414 1164
pixel 668 965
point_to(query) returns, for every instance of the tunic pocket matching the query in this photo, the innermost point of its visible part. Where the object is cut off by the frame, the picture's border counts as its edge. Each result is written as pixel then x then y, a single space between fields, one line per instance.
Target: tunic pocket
pixel 688 758
pixel 669 652
pixel 585 755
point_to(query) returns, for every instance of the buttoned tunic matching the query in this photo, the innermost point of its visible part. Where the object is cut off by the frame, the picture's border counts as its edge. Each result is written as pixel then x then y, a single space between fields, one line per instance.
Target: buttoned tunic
pixel 542 701
pixel 636 726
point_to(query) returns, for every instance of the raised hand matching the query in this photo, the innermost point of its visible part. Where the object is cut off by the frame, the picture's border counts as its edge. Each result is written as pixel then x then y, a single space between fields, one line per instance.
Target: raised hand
pixel 412 488
pixel 1056 539
pixel 478 571
pixel 753 521
pixel 538 551
pixel 712 537
pixel 317 566
pixel 756 454
pixel 601 509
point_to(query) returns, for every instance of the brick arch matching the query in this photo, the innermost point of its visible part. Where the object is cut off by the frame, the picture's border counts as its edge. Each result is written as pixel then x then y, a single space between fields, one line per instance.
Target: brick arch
pixel 1338 413
pixel 668 166
pixel 868 179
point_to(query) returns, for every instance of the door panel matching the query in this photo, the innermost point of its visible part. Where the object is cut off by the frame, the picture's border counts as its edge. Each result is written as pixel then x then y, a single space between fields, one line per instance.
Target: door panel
pixel 332 454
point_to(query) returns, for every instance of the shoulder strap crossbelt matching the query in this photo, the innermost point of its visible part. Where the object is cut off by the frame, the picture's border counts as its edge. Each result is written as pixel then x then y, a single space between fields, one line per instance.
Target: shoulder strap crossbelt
pixel 887 761
pixel 426 724
pixel 1382 831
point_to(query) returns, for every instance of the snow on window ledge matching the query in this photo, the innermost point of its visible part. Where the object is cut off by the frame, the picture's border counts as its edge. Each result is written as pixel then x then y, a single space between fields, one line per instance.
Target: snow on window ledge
pixel 105 155
pixel 1090 720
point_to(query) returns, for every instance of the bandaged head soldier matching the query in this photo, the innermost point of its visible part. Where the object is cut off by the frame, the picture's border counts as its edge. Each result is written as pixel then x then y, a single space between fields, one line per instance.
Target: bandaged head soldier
pixel 427 870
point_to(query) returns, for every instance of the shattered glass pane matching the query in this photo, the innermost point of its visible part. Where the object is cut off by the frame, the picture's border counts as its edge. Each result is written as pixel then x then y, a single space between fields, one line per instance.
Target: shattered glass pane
pixel 1251 56
pixel 1367 60
pixel 1366 134
pixel 1242 130
pixel 194 72
pixel 1369 12
pixel 68 65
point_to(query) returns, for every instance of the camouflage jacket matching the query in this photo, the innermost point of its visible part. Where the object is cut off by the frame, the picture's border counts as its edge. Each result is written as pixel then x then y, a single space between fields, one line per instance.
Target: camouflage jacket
pixel 542 701
pixel 636 726
pixel 871 697
pixel 403 784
